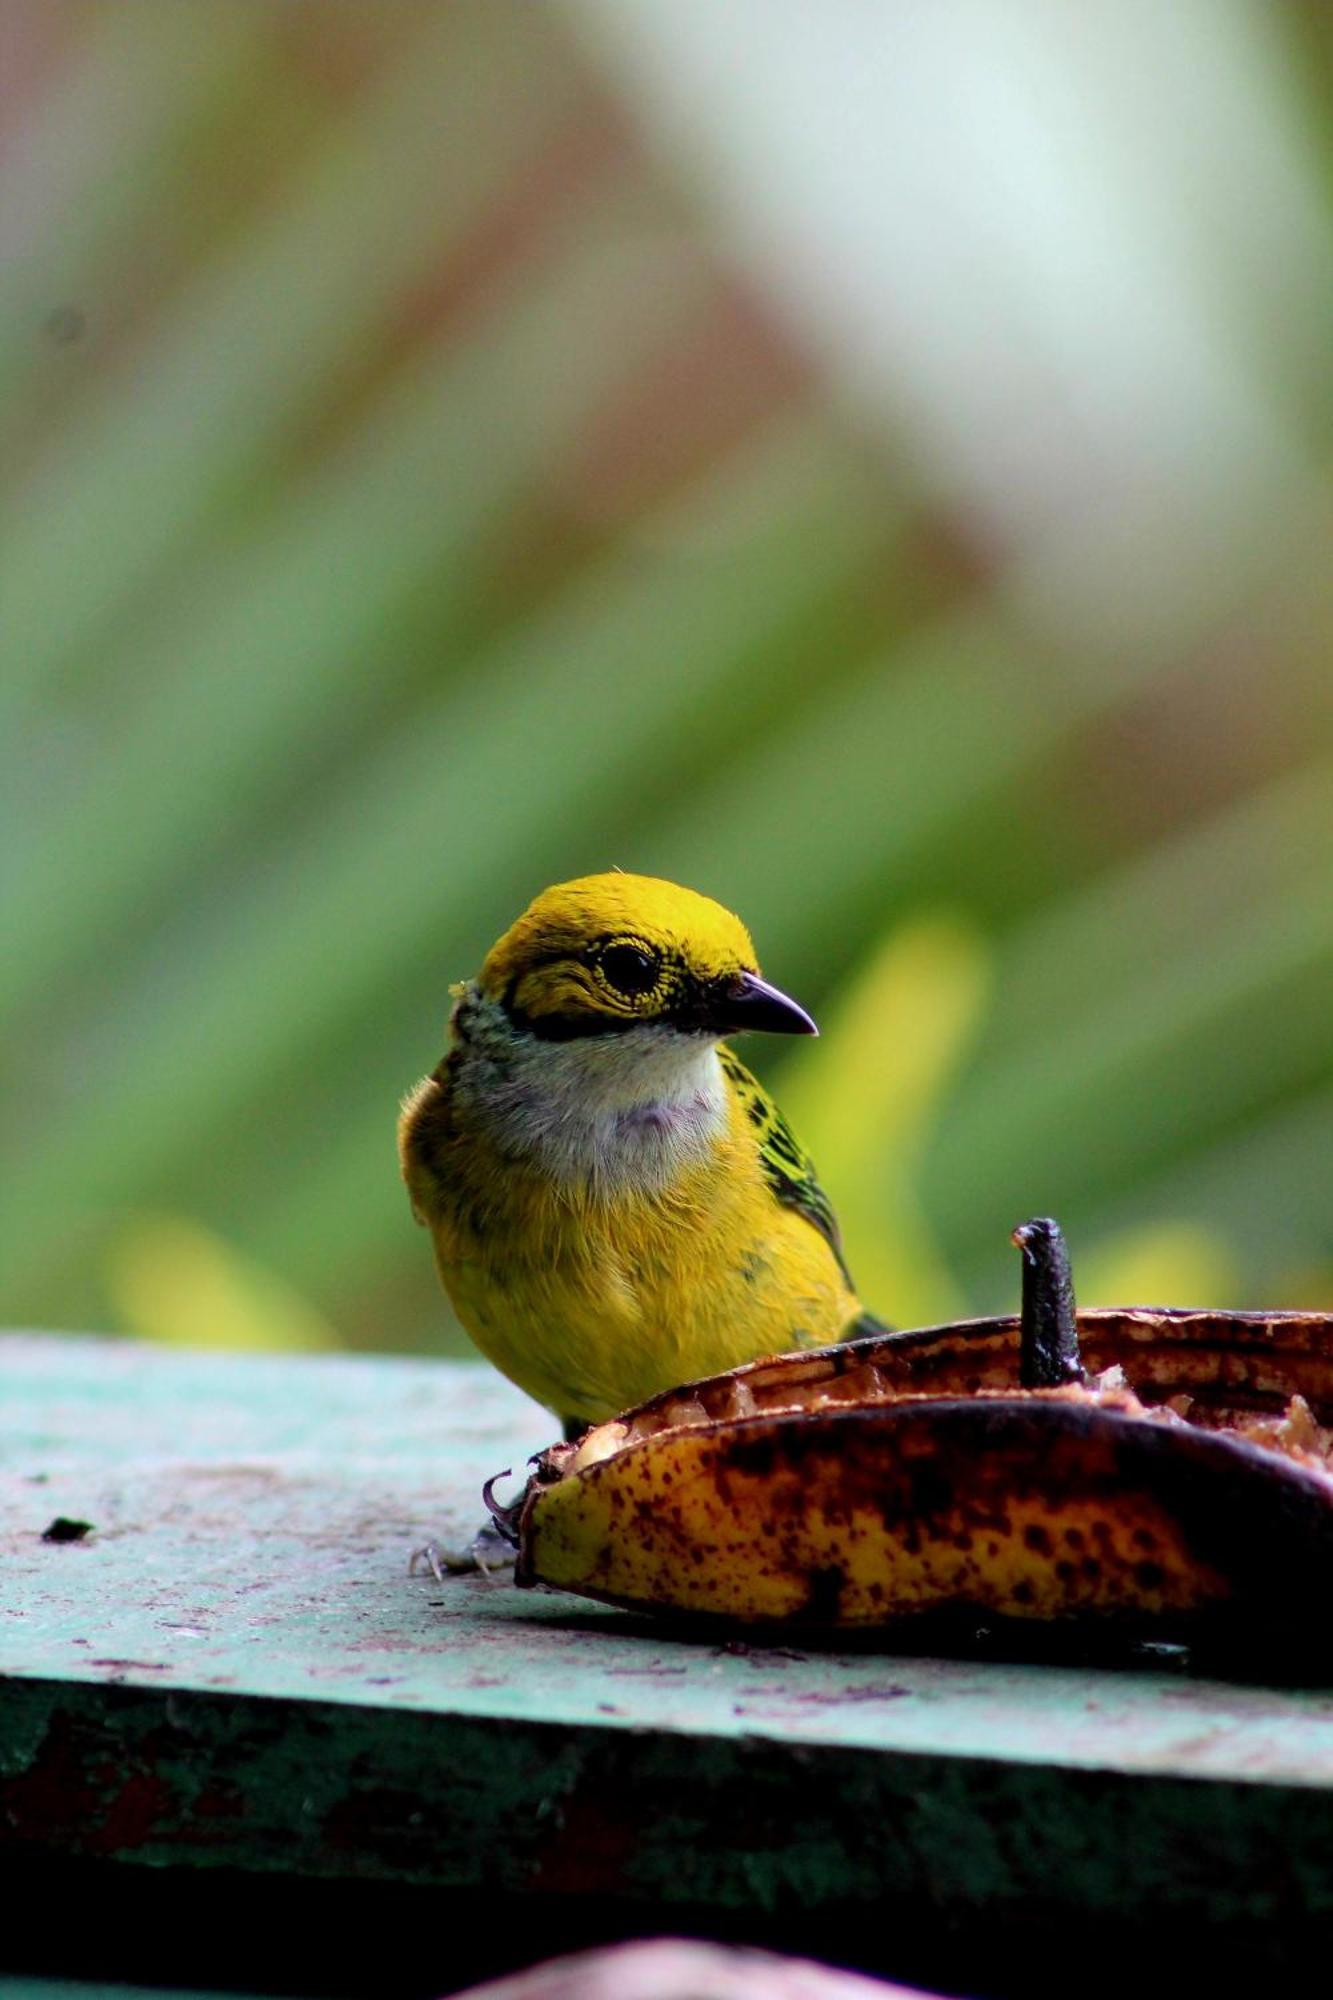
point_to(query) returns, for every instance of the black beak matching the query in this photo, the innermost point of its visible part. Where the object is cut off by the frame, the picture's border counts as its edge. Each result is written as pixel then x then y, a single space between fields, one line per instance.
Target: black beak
pixel 750 1002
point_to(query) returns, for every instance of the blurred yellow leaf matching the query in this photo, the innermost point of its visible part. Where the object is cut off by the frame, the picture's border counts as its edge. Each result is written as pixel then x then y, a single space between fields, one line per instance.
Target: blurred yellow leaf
pixel 862 1099
pixel 1309 1288
pixel 1159 1264
pixel 172 1280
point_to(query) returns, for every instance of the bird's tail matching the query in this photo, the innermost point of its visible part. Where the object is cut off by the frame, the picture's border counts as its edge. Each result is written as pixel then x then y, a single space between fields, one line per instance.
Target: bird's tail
pixel 864 1325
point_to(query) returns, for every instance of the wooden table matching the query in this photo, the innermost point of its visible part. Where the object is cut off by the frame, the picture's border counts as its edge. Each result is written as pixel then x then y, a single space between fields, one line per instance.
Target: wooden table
pixel 233 1688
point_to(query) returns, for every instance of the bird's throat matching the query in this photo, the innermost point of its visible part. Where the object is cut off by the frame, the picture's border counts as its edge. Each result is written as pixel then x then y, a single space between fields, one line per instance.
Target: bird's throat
pixel 611 1113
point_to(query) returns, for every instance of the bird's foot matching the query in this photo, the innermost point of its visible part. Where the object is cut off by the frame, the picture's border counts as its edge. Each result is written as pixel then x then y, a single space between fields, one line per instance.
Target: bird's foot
pixel 488 1553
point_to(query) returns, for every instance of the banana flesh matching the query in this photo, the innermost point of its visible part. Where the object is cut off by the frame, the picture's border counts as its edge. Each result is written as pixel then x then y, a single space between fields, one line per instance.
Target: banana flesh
pixel 1182 1486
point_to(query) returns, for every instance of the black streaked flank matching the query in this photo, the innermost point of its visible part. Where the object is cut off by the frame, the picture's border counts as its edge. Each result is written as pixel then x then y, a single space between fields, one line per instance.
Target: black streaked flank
pixel 787 1167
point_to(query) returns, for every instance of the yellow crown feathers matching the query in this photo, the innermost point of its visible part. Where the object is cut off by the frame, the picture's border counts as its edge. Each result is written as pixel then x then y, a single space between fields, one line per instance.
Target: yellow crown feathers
pixel 567 920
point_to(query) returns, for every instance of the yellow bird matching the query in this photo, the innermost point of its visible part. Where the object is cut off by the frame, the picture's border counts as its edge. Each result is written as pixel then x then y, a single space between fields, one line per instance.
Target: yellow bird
pixel 617 1206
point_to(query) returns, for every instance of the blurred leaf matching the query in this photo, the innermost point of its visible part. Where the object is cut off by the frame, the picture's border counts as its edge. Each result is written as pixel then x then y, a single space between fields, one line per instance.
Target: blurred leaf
pixel 85 166
pixel 1166 1263
pixel 171 1279
pixel 1263 1190
pixel 862 1099
pixel 242 674
pixel 266 326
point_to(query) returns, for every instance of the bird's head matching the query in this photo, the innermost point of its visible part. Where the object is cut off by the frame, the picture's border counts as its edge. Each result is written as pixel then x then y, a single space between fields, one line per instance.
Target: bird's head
pixel 613 953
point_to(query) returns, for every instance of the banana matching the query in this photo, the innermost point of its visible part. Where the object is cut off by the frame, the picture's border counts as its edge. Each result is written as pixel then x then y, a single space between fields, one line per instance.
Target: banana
pixel 1166 1470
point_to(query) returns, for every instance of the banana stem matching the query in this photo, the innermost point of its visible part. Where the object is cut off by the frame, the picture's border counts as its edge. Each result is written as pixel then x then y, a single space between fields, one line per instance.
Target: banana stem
pixel 1048 1340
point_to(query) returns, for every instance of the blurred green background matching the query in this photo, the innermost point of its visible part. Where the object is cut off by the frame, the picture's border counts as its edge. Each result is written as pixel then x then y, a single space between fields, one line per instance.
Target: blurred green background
pixel 871 463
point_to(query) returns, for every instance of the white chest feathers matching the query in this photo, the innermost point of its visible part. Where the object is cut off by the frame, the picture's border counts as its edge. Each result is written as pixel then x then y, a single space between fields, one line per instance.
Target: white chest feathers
pixel 612 1112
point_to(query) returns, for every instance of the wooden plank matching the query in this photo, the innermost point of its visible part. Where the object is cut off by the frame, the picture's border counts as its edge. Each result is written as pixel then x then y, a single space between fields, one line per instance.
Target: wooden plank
pixel 235 1671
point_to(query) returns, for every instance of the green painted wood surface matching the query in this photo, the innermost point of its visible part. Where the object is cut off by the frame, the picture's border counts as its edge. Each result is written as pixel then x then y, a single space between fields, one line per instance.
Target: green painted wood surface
pixel 236 1671
pixel 27 1987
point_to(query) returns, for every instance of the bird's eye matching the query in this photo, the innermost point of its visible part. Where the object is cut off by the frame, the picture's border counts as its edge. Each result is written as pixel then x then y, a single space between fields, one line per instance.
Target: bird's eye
pixel 628 968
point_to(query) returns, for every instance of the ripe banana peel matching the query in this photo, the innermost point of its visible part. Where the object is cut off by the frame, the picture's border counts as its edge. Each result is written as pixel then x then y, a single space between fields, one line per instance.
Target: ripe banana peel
pixel 1167 1470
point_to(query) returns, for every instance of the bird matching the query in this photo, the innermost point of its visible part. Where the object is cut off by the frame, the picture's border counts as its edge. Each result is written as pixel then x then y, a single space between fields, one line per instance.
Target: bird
pixel 617 1205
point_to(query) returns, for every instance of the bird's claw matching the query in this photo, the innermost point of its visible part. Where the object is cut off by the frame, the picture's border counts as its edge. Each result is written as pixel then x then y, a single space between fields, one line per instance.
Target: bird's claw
pixel 488 1553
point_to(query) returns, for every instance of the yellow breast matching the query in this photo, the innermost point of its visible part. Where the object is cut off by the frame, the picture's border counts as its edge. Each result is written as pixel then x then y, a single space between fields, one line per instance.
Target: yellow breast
pixel 591 1301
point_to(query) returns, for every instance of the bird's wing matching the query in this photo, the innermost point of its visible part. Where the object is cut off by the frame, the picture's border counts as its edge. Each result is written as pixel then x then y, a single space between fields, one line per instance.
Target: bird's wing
pixel 787 1167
